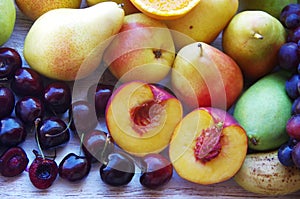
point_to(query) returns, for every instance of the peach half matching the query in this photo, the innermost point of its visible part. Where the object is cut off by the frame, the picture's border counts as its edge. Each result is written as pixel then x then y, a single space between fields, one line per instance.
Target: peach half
pixel 208 146
pixel 141 117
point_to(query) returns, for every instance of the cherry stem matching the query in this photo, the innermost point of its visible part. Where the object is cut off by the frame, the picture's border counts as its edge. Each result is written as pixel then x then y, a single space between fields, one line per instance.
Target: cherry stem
pixel 103 152
pixel 81 144
pixel 201 49
pixel 36 123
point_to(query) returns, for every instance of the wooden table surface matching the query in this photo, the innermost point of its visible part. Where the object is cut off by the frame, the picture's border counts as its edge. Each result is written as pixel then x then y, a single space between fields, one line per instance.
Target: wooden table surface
pixel 92 186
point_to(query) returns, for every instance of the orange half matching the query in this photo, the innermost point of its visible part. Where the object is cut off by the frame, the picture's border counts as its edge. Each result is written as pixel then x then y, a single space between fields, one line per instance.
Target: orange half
pixel 165 10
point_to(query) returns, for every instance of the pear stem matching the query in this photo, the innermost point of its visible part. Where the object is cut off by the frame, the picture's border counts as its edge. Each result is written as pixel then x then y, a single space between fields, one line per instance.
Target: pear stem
pixel 201 49
pixel 258 36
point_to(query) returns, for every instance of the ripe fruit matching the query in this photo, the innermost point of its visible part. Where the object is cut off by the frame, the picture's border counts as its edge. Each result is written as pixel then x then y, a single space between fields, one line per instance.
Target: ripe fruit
pixel 143 50
pixel 156 171
pixel 12 132
pixel 288 58
pixel 141 117
pixel 203 23
pixel 28 82
pixel 74 167
pixel 287 14
pixel 86 32
pixel 262 173
pixel 7 19
pixel 293 126
pixel 35 8
pixel 10 60
pixel 7 101
pixel 118 170
pixel 291 86
pixel 205 144
pixel 166 10
pixel 296 155
pixel 28 109
pixel 57 97
pixel 13 162
pixel 252 39
pixel 42 171
pixel 203 76
pixel 128 7
pixel 263 111
pixel 52 132
pixel 285 155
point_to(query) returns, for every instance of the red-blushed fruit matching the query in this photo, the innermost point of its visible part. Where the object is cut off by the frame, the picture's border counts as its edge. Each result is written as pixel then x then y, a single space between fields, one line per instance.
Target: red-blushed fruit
pixel 142 117
pixel 208 146
pixel 13 162
pixel 7 101
pixel 293 127
pixel 74 167
pixel 10 61
pixel 156 171
pixel 42 172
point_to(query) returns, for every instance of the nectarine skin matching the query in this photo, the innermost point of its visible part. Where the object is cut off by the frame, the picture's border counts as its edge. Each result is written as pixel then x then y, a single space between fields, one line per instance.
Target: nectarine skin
pixel 217 168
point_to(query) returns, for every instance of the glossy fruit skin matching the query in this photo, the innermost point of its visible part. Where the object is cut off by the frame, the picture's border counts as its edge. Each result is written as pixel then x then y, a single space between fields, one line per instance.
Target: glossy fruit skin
pixel 74 167
pixel 10 61
pixel 7 101
pixel 288 56
pixel 293 126
pixel 292 85
pixel 26 81
pixel 118 171
pixel 158 171
pixel 83 116
pixel 43 172
pixel 12 132
pixel 101 94
pixel 28 109
pixel 285 155
pixel 286 12
pixel 57 97
pixel 13 162
pixel 296 106
pixel 52 132
pixel 296 155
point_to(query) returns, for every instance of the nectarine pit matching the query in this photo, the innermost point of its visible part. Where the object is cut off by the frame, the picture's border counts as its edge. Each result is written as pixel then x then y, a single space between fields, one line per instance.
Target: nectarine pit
pixel 146 115
pixel 208 145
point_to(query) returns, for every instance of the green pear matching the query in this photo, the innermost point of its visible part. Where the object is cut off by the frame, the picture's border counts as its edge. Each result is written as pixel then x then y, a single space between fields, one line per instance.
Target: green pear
pixel 263 111
pixel 68 44
pixel 273 7
pixel 253 39
pixel 7 19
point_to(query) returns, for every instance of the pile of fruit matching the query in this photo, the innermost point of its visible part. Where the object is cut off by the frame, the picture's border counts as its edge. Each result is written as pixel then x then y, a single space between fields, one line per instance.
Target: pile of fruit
pixel 174 101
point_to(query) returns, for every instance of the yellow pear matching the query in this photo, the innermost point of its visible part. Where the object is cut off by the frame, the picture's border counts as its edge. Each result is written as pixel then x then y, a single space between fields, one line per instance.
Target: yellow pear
pixel 68 44
pixel 35 8
pixel 203 23
pixel 128 7
pixel 252 39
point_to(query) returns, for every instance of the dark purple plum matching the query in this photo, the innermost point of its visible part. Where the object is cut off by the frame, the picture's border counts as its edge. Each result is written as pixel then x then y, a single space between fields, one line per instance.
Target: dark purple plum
pixel 288 10
pixel 296 106
pixel 293 126
pixel 13 162
pixel 10 61
pixel 285 155
pixel 118 170
pixel 74 167
pixel 288 56
pixel 57 97
pixel 7 101
pixel 296 155
pixel 292 85
pixel 52 132
pixel 12 132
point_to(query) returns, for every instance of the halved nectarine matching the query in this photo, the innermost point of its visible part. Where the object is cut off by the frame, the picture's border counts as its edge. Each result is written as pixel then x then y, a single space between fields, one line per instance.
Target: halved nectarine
pixel 208 146
pixel 141 117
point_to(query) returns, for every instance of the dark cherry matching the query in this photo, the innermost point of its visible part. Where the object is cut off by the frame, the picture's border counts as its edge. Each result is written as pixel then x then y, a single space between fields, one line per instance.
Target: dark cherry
pixel 26 81
pixel 83 116
pixel 10 61
pixel 12 132
pixel 52 132
pixel 156 171
pixel 7 101
pixel 118 171
pixel 97 145
pixel 100 93
pixel 57 97
pixel 28 109
pixel 42 171
pixel 74 167
pixel 13 162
